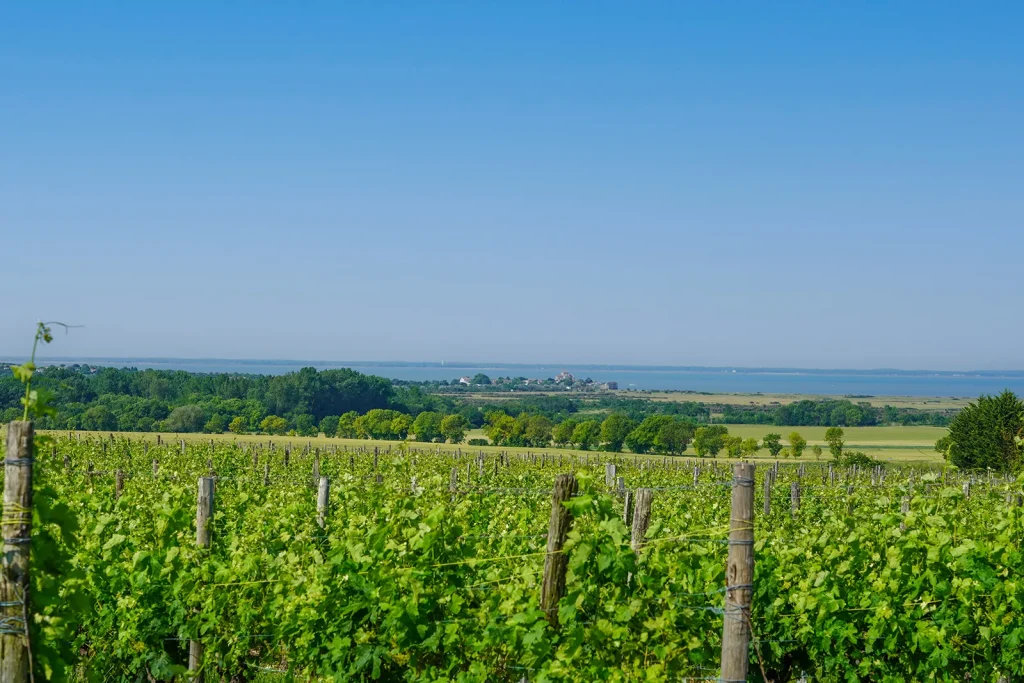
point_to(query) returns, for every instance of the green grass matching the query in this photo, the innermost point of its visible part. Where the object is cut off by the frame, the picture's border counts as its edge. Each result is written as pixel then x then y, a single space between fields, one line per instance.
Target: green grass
pixel 884 443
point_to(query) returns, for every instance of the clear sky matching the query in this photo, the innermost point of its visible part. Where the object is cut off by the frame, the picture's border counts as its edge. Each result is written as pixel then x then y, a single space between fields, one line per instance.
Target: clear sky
pixel 773 184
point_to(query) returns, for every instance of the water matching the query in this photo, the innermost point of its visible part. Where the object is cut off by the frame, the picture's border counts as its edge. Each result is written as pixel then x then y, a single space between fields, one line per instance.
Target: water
pixel 738 380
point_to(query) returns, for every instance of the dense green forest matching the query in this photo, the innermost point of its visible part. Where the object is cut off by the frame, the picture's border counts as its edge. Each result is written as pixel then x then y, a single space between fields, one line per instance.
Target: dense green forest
pixel 311 401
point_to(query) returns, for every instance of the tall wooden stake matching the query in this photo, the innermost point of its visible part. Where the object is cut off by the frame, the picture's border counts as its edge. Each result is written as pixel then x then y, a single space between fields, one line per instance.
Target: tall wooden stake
pixel 15 657
pixel 204 513
pixel 322 496
pixel 555 562
pixel 641 518
pixel 739 576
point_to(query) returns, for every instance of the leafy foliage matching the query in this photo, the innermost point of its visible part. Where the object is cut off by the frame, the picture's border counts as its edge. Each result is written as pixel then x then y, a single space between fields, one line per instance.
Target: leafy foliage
pixel 986 434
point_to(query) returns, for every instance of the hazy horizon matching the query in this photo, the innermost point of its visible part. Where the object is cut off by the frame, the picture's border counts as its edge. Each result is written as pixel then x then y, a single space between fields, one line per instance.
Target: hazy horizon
pixel 43 358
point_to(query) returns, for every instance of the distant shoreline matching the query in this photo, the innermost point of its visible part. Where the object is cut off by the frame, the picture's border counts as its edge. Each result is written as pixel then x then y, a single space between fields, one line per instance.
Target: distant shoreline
pixel 807 382
pixel 119 361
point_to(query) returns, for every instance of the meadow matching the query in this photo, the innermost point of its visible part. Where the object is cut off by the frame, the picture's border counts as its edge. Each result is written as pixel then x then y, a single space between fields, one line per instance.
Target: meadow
pixel 892 443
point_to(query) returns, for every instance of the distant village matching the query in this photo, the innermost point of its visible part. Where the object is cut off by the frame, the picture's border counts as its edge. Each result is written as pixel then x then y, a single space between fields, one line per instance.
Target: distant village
pixel 563 381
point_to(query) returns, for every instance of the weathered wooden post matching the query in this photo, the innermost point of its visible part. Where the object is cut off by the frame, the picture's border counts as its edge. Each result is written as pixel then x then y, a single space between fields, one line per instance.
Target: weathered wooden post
pixel 627 509
pixel 118 484
pixel 322 497
pixel 794 498
pixel 739 576
pixel 767 493
pixel 266 474
pixel 641 518
pixel 204 513
pixel 555 562
pixel 17 535
pixel 609 474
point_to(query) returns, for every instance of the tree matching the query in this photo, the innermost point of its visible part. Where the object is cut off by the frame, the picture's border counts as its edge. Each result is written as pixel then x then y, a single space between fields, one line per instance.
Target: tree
pixel 538 431
pixel 272 424
pixel 797 444
pixel 237 425
pixel 749 447
pixel 500 427
pixel 733 445
pixel 305 425
pixel 644 438
pixel 427 426
pixel 378 423
pixel 215 425
pixel 186 419
pixel 773 442
pixel 614 430
pixel 99 419
pixel 709 440
pixel 400 426
pixel 942 444
pixel 562 433
pixel 985 434
pixel 834 439
pixel 673 436
pixel 480 378
pixel 453 427
pixel 587 434
pixel 329 425
pixel 817 451
pixel 347 425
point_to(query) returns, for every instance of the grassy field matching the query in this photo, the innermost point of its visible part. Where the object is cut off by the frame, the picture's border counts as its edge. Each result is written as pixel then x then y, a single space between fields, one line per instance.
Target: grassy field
pixel 918 402
pixel 885 443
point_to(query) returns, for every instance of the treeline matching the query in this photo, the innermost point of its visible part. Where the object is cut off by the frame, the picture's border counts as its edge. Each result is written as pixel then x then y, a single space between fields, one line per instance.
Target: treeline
pixel 109 399
pixel 308 402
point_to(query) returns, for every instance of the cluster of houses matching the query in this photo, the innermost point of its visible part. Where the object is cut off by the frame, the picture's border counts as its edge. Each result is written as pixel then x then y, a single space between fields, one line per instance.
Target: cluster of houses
pixel 563 380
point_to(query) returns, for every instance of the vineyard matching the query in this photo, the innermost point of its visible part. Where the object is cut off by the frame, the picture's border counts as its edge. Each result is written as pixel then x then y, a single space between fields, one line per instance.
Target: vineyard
pixel 273 562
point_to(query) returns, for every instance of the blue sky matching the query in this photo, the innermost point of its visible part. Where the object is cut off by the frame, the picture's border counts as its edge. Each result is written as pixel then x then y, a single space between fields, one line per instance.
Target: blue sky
pixel 785 184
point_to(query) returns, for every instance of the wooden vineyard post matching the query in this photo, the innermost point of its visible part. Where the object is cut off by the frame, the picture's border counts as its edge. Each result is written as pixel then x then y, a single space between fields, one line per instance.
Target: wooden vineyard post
pixel 555 562
pixel 849 500
pixel 739 576
pixel 904 509
pixel 17 532
pixel 323 495
pixel 627 509
pixel 266 474
pixel 767 493
pixel 316 466
pixel 118 484
pixel 204 513
pixel 794 498
pixel 609 474
pixel 641 518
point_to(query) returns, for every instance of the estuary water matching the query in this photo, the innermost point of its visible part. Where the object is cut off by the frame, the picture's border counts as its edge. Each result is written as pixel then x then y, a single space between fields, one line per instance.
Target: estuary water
pixel 739 380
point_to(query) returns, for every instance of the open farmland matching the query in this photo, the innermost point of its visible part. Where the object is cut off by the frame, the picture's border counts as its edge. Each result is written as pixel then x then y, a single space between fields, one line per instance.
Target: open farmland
pixel 883 443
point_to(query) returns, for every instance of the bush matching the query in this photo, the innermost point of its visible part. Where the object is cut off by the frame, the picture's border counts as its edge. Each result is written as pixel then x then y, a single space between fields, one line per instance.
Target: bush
pixel 478 442
pixel 858 458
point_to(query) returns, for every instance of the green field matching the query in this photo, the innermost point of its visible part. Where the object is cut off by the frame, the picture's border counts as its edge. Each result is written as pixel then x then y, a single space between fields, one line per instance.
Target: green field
pixel 741 399
pixel 884 443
